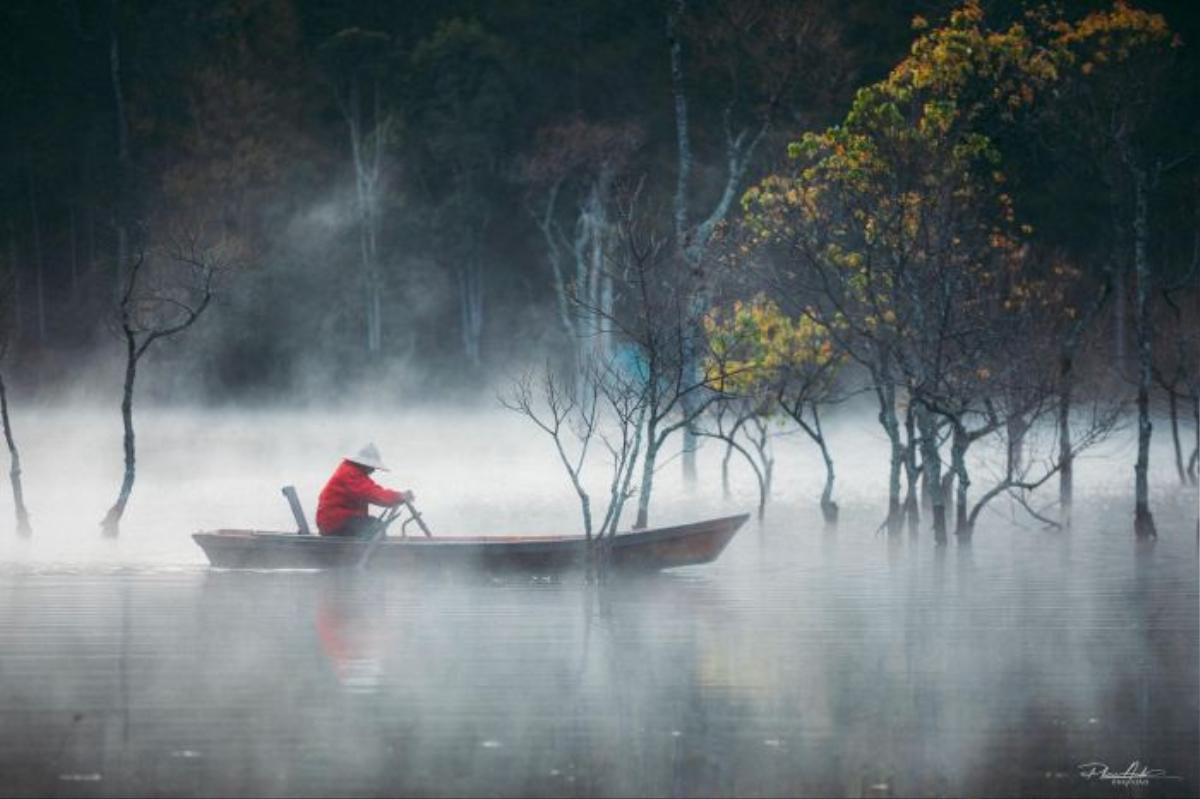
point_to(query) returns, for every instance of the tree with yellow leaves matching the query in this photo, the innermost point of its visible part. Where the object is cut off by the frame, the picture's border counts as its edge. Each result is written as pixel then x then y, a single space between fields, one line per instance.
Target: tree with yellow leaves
pixel 895 231
pixel 784 365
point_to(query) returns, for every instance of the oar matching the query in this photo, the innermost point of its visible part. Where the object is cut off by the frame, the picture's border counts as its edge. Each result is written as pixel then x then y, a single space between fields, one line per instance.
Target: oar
pixel 416 517
pixel 387 517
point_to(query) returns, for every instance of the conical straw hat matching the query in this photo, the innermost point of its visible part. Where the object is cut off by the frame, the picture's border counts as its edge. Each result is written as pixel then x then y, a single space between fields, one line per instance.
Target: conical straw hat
pixel 368 456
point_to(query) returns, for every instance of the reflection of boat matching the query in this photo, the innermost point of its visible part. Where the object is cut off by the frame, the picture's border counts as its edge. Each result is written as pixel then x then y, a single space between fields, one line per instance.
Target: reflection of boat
pixel 660 548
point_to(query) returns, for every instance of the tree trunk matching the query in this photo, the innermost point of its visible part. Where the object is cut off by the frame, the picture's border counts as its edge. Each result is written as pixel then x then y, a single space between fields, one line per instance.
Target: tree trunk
pixel 926 491
pixel 948 489
pixel 829 508
pixel 1173 405
pixel 1016 428
pixel 912 511
pixel 683 151
pixel 1118 249
pixel 958 465
pixel 682 139
pixel 762 444
pixel 112 521
pixel 643 507
pixel 768 474
pixel 725 469
pixel 1194 460
pixel 691 442
pixel 886 393
pixel 1066 455
pixel 365 153
pixel 1143 519
pixel 470 277
pixel 23 528
pixel 932 471
pixel 591 271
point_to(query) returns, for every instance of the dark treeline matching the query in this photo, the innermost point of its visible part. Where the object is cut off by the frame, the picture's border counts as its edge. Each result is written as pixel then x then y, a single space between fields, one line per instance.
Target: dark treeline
pixel 713 214
pixel 386 166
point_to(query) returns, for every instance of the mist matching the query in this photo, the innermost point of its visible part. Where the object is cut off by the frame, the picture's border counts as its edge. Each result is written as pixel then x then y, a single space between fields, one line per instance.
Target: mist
pixel 477 468
pixel 803 662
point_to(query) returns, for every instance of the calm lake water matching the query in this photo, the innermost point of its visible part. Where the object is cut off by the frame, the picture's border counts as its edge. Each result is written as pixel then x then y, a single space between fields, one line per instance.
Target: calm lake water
pixel 800 663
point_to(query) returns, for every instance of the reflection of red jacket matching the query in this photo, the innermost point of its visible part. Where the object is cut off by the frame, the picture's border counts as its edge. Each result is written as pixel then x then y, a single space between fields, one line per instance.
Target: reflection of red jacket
pixel 346 495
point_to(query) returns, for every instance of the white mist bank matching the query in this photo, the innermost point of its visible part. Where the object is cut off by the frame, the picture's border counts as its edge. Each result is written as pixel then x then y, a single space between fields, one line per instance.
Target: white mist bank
pixel 487 471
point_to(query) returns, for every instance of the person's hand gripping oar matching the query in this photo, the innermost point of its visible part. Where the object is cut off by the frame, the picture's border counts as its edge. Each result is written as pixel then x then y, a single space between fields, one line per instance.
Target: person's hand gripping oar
pixel 388 516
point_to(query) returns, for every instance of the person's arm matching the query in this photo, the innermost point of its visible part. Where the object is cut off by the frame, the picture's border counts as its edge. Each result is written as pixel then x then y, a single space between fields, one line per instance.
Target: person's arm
pixel 374 493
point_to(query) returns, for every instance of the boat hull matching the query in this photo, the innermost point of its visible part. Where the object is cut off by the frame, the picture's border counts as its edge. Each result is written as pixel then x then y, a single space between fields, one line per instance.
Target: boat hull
pixel 650 550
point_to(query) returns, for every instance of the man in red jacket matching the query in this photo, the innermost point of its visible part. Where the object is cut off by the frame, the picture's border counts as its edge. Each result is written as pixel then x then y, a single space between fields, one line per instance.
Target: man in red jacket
pixel 342 506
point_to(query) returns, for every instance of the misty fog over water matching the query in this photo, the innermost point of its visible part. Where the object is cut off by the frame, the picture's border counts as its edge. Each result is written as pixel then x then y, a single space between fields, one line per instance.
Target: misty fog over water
pixel 802 662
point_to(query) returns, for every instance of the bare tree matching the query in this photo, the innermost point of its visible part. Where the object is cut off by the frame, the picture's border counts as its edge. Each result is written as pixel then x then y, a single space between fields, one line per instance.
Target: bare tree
pixel 572 173
pixel 1032 456
pixel 24 530
pixel 356 65
pixel 741 421
pixel 1071 340
pixel 654 324
pixel 166 291
pixel 611 410
pixel 1176 367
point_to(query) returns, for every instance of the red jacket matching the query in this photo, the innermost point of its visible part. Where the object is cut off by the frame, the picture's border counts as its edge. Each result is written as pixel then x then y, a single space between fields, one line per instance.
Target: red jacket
pixel 347 494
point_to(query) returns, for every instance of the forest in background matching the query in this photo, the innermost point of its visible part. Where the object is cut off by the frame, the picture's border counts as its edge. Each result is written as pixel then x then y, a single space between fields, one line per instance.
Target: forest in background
pixel 275 120
pixel 706 214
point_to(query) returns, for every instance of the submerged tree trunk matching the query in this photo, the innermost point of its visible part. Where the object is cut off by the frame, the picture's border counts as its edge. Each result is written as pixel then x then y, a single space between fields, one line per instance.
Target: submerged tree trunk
pixel 1143 524
pixel 683 154
pixel 761 473
pixel 958 465
pixel 112 521
pixel 725 469
pixel 1194 460
pixel 1066 455
pixel 1173 405
pixel 762 444
pixel 829 508
pixel 643 506
pixel 886 394
pixel 931 461
pixel 912 511
pixel 14 473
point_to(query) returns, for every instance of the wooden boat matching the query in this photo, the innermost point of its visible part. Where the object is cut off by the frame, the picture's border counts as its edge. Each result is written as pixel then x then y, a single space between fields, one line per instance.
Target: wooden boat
pixel 652 549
